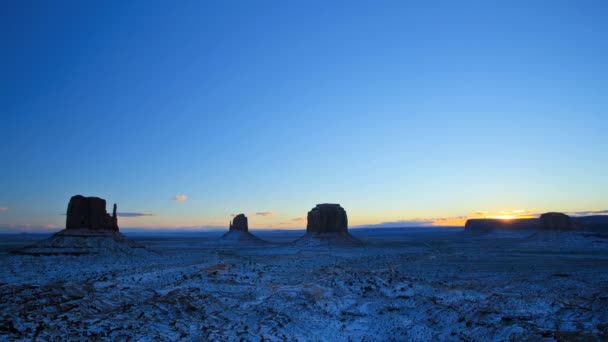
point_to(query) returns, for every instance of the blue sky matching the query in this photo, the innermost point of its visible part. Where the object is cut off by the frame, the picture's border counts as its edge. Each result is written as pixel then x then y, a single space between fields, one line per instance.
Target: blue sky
pixel 399 110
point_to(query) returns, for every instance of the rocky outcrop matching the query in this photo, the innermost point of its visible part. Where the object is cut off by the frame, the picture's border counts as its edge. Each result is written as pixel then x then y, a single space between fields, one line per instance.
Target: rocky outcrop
pixel 90 213
pixel 327 225
pixel 556 221
pixel 238 233
pixel 327 218
pixel 240 223
pixel 89 230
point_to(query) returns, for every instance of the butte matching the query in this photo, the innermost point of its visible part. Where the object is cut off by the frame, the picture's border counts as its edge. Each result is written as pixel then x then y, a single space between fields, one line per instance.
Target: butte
pixel 327 226
pixel 89 229
pixel 238 233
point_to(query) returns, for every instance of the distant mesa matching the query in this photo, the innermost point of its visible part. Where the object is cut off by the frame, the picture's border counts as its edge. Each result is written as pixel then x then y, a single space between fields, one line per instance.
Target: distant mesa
pixel 327 225
pixel 556 221
pixel 238 232
pixel 489 225
pixel 547 222
pixel 594 223
pixel 89 230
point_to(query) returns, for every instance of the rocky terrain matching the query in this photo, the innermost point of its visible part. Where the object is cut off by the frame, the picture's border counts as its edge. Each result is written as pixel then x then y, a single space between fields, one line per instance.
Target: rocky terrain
pixel 419 285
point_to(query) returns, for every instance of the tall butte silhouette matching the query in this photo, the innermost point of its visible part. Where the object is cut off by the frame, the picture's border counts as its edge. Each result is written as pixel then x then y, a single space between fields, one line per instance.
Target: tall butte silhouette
pixel 89 229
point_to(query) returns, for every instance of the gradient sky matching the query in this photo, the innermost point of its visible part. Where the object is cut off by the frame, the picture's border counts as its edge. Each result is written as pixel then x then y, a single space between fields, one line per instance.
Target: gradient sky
pixel 429 111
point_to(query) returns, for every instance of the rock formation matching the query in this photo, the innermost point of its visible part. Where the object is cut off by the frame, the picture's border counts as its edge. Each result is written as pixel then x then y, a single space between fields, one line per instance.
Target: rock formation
pixel 89 230
pixel 488 225
pixel 90 213
pixel 238 232
pixel 327 218
pixel 240 223
pixel 556 221
pixel 593 223
pixel 547 222
pixel 327 225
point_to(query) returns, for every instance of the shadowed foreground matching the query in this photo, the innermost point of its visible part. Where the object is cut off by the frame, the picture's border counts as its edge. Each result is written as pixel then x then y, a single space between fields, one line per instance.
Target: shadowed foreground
pixel 414 285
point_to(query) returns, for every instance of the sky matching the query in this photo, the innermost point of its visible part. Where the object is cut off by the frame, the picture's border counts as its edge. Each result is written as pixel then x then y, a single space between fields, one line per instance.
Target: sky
pixel 404 112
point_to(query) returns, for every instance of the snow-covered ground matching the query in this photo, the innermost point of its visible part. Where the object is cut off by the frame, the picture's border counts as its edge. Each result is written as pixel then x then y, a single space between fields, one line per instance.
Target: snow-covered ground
pixel 403 285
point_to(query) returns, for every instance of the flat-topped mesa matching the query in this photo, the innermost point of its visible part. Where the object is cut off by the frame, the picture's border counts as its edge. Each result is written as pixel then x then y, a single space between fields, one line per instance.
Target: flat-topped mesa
pixel 547 222
pixel 556 221
pixel 239 223
pixel 487 225
pixel 327 226
pixel 327 218
pixel 90 213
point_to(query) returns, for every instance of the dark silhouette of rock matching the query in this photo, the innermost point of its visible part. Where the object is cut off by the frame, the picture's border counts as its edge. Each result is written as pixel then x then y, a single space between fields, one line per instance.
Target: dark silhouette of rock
pixel 89 230
pixel 556 221
pixel 593 223
pixel 240 223
pixel 327 218
pixel 488 225
pixel 547 222
pixel 90 213
pixel 327 225
pixel 239 232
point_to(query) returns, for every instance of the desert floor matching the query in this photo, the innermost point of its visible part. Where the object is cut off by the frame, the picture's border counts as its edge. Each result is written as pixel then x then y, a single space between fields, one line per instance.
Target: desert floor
pixel 405 284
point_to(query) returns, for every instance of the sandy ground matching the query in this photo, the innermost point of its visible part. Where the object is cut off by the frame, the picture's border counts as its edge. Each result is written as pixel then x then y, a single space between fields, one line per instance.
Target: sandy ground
pixel 417 285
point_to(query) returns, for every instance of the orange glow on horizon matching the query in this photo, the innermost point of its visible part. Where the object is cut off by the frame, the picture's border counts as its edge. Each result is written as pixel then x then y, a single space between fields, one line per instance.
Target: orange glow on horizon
pixel 449 221
pixel 503 217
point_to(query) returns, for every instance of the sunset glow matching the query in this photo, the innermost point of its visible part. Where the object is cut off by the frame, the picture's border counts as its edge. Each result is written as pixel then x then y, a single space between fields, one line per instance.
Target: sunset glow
pixel 503 217
pixel 412 114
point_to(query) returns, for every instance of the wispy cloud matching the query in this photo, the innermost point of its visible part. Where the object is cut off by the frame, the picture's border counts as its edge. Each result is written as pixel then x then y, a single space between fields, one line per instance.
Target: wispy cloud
pixel 589 212
pixel 3 208
pixel 180 198
pixel 265 213
pixel 298 219
pixel 133 214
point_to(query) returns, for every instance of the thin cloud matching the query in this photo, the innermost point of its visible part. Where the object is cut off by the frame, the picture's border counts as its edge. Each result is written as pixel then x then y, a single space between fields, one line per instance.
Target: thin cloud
pixel 3 208
pixel 265 213
pixel 298 219
pixel 590 212
pixel 180 198
pixel 133 214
